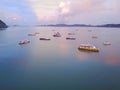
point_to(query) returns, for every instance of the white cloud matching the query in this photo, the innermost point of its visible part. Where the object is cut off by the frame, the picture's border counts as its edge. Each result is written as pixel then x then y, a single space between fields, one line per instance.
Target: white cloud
pixel 57 11
pixel 75 11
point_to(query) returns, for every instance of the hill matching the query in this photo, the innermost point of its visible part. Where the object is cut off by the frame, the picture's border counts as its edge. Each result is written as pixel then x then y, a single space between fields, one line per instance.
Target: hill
pixel 2 24
pixel 82 25
pixel 109 25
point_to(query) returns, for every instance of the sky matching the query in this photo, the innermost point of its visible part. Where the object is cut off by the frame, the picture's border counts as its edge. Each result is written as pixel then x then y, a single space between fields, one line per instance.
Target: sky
pixel 32 12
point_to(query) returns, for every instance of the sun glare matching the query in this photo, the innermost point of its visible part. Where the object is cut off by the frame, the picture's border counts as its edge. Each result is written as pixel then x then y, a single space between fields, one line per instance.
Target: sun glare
pixel 61 4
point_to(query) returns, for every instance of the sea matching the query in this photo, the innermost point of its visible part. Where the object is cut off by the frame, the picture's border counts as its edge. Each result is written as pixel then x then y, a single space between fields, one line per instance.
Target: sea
pixel 58 64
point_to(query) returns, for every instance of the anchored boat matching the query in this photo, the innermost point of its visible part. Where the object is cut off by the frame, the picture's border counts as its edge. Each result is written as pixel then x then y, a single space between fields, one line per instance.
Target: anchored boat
pixel 106 43
pixel 31 34
pixel 24 42
pixel 69 38
pixel 44 38
pixel 57 34
pixel 88 47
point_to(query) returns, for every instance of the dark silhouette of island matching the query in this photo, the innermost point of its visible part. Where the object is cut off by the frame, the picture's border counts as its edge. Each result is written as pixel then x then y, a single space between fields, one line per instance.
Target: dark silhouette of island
pixel 70 25
pixel 109 25
pixel 67 25
pixel 82 25
pixel 2 25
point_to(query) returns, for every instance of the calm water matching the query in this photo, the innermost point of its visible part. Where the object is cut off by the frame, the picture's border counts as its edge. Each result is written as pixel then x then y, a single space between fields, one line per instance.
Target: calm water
pixel 58 64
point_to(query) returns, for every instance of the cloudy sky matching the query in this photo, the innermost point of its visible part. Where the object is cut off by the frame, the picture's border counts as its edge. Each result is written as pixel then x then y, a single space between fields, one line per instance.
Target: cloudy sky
pixel 59 11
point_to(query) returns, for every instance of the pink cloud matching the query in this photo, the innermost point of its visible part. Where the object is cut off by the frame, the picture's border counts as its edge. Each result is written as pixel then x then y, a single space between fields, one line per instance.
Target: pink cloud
pixel 116 7
pixel 69 9
pixel 51 19
pixel 73 10
pixel 8 16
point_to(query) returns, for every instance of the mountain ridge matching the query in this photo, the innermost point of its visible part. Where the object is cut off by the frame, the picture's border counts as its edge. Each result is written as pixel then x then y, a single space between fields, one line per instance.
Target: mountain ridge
pixel 82 25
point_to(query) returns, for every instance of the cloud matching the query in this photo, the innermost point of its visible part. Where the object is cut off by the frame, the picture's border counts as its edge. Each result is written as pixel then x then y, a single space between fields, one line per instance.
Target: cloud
pixel 116 7
pixel 16 12
pixel 57 11
pixel 69 10
pixel 88 11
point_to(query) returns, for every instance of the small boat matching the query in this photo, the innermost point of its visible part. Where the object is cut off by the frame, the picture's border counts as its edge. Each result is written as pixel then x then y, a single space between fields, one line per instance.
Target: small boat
pixel 88 47
pixel 106 43
pixel 57 34
pixel 45 39
pixel 24 42
pixel 95 37
pixel 71 33
pixel 89 30
pixel 31 34
pixel 53 30
pixel 37 33
pixel 69 38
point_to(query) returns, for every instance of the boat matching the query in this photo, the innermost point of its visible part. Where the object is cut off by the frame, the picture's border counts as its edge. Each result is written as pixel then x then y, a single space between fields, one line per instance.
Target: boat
pixel 88 47
pixel 69 38
pixel 89 30
pixel 71 33
pixel 95 37
pixel 31 34
pixel 24 42
pixel 57 34
pixel 37 33
pixel 45 39
pixel 106 43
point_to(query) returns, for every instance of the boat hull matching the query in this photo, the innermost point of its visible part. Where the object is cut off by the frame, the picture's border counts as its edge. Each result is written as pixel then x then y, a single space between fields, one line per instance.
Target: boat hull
pixel 89 49
pixel 45 39
pixel 70 38
pixel 56 35
pixel 23 42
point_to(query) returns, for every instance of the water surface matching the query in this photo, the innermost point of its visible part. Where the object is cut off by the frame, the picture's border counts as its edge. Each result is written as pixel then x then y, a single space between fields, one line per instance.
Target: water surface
pixel 58 64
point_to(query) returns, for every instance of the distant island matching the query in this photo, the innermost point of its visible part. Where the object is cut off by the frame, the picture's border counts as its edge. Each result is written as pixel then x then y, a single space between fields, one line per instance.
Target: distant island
pixel 109 25
pixel 67 25
pixel 2 25
pixel 71 25
pixel 82 25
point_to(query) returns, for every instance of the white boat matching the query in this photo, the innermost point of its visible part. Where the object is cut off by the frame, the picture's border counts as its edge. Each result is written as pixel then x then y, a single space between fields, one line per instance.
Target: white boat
pixel 57 34
pixel 88 47
pixel 33 34
pixel 106 43
pixel 24 42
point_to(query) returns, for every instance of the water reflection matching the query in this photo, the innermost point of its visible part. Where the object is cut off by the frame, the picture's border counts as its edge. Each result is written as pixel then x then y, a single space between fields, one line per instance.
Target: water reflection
pixel 58 64
pixel 2 29
pixel 82 55
pixel 112 58
pixel 61 46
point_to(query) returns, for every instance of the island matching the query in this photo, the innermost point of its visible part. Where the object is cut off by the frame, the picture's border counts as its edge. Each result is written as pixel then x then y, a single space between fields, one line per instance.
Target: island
pixel 81 25
pixel 2 25
pixel 109 25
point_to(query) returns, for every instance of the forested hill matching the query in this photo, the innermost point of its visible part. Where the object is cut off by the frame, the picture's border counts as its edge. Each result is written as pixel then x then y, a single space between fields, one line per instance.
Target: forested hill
pixel 2 24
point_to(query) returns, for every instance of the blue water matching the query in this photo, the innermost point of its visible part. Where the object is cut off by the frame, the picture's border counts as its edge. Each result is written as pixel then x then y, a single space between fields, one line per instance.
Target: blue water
pixel 58 64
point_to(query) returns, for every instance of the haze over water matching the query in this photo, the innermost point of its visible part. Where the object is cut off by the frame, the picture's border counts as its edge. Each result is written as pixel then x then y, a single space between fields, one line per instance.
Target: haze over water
pixel 58 64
